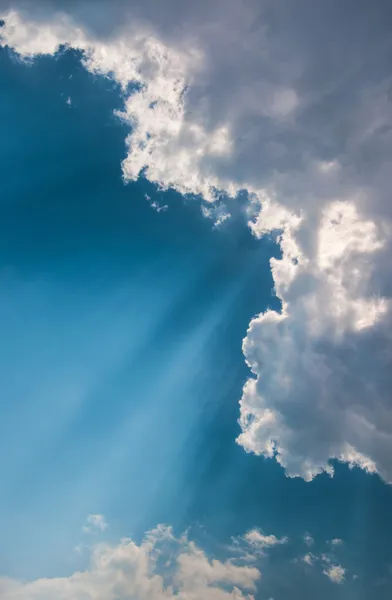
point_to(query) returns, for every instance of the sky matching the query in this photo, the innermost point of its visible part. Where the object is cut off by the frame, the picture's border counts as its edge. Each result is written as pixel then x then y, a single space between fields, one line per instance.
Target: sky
pixel 195 306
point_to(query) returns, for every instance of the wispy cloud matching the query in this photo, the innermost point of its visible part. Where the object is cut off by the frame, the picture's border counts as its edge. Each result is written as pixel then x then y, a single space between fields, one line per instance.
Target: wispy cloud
pixel 155 205
pixel 257 539
pixel 95 523
pixel 336 542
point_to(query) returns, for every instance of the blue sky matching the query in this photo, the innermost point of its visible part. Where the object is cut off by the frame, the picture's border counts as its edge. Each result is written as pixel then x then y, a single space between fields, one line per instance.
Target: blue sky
pixel 122 363
pixel 126 323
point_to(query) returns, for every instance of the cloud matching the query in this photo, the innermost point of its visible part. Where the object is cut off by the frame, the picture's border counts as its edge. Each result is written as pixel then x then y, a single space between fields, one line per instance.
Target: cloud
pixel 335 573
pixel 161 567
pixel 326 562
pixel 164 144
pixel 336 542
pixel 308 559
pixel 222 96
pixel 217 212
pixel 155 205
pixel 320 365
pixel 95 523
pixel 258 540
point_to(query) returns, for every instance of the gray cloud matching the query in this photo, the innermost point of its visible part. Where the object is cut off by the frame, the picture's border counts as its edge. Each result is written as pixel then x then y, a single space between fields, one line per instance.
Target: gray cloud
pixel 293 102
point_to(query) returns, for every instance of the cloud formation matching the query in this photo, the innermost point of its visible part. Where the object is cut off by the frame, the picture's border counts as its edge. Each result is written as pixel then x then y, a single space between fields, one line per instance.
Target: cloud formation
pixel 284 100
pixel 164 566
pixel 161 567
pixel 321 363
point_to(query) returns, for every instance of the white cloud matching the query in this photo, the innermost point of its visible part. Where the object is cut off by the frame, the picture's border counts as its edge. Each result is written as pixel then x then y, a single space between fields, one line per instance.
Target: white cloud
pixel 169 148
pixel 161 567
pixel 155 205
pixel 217 212
pixel 312 396
pixel 238 95
pixel 95 523
pixel 336 542
pixel 257 539
pixel 335 573
pixel 327 562
pixel 308 559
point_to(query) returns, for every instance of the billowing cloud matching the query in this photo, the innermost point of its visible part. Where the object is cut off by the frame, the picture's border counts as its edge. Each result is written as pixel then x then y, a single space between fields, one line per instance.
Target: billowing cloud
pixel 161 567
pixel 285 100
pixel 321 365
